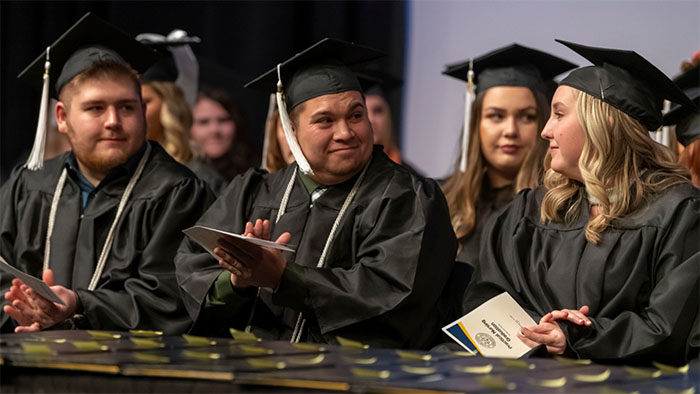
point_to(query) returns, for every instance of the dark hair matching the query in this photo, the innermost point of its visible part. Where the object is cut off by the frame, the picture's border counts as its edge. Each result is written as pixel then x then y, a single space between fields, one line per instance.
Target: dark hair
pixel 99 69
pixel 239 158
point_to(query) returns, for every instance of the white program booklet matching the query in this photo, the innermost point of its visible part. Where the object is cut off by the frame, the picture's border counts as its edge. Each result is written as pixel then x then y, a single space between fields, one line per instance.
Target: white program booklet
pixel 35 283
pixel 492 328
pixel 208 238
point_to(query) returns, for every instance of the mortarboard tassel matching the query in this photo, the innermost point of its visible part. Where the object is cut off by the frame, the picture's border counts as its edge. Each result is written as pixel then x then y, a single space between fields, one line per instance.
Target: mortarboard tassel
pixel 36 158
pixel 666 130
pixel 187 66
pixel 469 98
pixel 269 128
pixel 287 126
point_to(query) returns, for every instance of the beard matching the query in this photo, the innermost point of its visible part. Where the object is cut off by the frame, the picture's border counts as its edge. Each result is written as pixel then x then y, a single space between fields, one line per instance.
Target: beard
pixel 100 161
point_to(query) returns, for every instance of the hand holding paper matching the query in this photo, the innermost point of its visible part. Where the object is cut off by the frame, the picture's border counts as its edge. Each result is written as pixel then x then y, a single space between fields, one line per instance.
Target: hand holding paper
pixel 493 328
pixel 36 284
pixel 33 311
pixel 251 258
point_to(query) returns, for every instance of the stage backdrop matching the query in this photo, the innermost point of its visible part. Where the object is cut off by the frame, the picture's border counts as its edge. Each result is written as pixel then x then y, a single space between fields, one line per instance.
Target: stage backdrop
pixel 441 32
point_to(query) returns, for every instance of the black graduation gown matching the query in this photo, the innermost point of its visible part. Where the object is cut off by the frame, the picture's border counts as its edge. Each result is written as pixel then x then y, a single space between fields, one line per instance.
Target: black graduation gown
pixel 137 288
pixel 640 282
pixel 490 203
pixel 390 258
pixel 216 182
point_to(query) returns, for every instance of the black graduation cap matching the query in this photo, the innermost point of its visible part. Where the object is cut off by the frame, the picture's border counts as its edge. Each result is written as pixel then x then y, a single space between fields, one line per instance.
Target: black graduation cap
pixel 687 120
pixel 326 67
pixel 88 40
pixel 627 81
pixel 377 82
pixel 323 68
pixel 513 65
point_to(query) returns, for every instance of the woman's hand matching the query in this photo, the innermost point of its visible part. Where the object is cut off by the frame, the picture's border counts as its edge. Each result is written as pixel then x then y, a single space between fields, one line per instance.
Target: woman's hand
pixel 548 331
pixel 579 317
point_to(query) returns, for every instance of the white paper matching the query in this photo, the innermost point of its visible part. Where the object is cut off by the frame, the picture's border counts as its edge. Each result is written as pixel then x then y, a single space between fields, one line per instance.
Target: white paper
pixel 492 329
pixel 35 283
pixel 208 238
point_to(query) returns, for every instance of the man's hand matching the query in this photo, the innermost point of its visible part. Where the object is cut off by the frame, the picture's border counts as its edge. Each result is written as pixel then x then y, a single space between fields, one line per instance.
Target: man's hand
pixel 32 311
pixel 251 265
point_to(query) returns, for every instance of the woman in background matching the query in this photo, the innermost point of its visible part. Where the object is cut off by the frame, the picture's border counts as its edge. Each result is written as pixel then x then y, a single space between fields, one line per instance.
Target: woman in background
pixel 278 154
pixel 168 120
pixel 686 121
pixel 168 88
pixel 218 129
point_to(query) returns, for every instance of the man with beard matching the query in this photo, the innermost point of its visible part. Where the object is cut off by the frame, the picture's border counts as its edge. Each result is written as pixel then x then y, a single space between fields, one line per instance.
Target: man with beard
pixel 102 222
pixel 374 244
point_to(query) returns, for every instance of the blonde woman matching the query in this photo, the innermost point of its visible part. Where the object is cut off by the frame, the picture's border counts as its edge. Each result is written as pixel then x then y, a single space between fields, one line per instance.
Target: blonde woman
pixel 278 154
pixel 169 88
pixel 504 153
pixel 605 254
pixel 168 121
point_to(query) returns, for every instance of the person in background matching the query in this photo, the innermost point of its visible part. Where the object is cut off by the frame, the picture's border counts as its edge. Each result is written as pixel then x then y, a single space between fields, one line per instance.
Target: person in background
pixel 686 122
pixel 219 131
pixel 168 87
pixel 276 152
pixel 605 253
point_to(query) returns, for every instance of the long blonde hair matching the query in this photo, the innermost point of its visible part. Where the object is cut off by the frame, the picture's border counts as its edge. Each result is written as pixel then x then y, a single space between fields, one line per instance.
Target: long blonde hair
pixel 618 159
pixel 462 188
pixel 176 119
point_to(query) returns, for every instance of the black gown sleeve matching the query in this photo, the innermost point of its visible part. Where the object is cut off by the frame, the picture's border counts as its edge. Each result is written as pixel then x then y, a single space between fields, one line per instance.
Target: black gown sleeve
pixel 197 270
pixel 493 275
pixel 8 235
pixel 144 293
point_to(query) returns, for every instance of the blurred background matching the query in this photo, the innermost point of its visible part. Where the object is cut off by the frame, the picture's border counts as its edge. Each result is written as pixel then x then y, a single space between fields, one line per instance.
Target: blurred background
pixel 242 39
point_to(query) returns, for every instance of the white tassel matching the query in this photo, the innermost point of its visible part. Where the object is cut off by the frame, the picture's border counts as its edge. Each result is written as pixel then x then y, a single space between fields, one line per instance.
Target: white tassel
pixel 665 137
pixel 187 67
pixel 269 128
pixel 36 158
pixel 469 98
pixel 287 126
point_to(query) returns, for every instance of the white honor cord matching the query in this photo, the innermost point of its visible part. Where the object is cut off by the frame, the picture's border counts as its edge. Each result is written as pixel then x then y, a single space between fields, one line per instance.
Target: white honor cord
pixel 110 236
pixel 299 327
pixel 52 217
